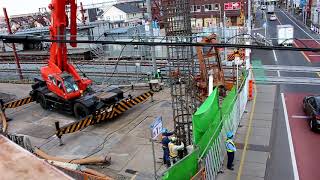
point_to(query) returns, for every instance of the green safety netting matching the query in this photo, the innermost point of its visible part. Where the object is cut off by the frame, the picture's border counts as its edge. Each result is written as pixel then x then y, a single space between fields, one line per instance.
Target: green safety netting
pixel 211 134
pixel 228 101
pixel 204 116
pixel 183 169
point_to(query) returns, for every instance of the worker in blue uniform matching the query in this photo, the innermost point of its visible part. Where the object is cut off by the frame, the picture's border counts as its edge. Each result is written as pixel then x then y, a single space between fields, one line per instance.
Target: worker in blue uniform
pixel 165 141
pixel 231 149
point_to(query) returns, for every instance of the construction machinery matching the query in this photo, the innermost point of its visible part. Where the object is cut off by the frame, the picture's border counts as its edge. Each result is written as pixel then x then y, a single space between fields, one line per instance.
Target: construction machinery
pixel 209 63
pixel 61 87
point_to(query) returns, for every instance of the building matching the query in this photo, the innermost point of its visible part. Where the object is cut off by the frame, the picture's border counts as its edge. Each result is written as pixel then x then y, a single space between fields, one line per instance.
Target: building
pixel 210 13
pixel 124 14
pixel 315 16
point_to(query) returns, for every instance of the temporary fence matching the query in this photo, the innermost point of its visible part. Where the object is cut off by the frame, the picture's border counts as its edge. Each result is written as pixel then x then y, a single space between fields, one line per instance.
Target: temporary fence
pixel 211 122
pixel 213 160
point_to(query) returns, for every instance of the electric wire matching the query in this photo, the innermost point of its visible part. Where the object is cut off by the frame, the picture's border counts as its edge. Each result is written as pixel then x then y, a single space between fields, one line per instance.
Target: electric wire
pixel 182 44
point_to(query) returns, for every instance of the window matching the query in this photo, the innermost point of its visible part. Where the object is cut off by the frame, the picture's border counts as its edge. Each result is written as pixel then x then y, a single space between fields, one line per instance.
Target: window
pixel 195 8
pixel 208 7
pixel 121 17
pixel 52 79
pixel 216 7
pixel 70 84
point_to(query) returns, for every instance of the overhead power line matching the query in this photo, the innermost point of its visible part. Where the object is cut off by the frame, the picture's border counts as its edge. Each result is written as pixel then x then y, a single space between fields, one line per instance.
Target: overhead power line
pixel 33 39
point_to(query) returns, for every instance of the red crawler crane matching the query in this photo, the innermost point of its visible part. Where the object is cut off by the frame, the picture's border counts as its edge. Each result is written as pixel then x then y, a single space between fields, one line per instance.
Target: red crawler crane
pixel 61 87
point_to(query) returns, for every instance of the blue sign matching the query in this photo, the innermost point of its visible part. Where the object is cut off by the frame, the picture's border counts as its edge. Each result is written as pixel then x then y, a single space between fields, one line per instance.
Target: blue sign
pixel 156 127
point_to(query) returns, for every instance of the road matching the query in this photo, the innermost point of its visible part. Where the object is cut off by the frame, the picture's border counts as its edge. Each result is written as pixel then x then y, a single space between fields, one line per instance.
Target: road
pixel 293 147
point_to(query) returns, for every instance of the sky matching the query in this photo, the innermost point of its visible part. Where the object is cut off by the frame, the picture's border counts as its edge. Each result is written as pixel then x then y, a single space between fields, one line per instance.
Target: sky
pixel 15 7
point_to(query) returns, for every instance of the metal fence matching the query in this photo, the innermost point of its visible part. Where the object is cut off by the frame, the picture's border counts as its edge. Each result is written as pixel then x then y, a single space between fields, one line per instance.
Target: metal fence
pixel 213 160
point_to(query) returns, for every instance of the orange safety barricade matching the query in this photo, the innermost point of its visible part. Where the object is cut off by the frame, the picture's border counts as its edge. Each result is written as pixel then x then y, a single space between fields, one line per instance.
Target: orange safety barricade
pixel 250 89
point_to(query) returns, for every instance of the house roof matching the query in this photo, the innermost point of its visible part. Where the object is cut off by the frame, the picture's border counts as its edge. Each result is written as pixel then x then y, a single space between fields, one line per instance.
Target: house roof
pixel 127 8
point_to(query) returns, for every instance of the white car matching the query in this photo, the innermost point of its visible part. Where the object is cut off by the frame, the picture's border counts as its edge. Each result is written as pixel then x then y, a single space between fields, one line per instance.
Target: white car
pixel 273 17
pixel 263 7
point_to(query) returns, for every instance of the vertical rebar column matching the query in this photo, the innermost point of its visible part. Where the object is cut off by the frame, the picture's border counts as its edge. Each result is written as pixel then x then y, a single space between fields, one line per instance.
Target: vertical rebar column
pixel 177 23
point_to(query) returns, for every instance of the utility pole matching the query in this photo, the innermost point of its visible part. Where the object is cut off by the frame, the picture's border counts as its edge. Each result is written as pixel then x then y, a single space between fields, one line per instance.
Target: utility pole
pixel 13 45
pixel 249 17
pixel 83 19
pixel 153 53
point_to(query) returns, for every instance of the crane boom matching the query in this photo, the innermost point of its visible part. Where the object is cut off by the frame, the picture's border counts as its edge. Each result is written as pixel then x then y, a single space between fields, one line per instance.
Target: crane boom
pixel 58 65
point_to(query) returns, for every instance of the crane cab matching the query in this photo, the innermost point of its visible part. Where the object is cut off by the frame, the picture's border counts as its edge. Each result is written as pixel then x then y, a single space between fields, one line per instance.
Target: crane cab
pixel 64 86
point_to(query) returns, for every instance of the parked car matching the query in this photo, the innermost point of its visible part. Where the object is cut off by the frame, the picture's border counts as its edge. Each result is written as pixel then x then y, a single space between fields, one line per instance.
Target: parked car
pixel 273 17
pixel 311 107
pixel 263 7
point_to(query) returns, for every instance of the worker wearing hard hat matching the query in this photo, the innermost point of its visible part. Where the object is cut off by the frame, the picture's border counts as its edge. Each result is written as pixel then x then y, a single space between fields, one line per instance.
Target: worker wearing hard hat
pixel 173 148
pixel 231 149
pixel 165 141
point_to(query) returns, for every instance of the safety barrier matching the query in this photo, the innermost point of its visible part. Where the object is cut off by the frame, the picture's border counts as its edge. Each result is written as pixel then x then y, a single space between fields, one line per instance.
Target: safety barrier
pixel 104 115
pixel 210 124
pixel 231 57
pixel 213 160
pixel 17 103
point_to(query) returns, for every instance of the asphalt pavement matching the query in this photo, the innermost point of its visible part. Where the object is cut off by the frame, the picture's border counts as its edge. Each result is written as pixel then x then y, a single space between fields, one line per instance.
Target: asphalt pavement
pixel 293 146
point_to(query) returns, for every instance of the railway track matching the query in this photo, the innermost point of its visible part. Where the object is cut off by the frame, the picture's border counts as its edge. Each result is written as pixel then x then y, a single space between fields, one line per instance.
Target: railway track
pixel 89 73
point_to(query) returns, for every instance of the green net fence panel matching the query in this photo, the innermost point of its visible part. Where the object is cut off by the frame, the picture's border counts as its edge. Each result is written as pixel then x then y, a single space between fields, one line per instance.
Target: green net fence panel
pixel 183 169
pixel 204 116
pixel 211 134
pixel 228 101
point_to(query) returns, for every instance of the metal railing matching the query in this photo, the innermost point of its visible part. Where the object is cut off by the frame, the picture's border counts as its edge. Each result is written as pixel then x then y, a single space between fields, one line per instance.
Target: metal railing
pixel 214 158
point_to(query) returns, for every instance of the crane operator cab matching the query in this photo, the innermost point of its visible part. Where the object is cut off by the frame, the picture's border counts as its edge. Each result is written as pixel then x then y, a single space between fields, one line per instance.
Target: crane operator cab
pixel 64 85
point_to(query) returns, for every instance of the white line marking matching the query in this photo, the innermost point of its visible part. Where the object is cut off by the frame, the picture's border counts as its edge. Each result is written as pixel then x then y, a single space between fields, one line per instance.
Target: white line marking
pixel 299 26
pixel 300 117
pixel 293 157
pixel 275 56
pixel 278 72
pixel 314 55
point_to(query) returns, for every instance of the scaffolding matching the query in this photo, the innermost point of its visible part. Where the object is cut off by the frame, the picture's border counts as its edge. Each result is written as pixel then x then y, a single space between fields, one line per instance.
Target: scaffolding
pixel 177 24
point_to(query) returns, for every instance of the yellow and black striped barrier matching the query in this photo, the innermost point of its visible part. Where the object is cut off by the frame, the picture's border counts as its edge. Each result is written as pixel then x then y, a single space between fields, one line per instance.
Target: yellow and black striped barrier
pixel 17 103
pixel 115 111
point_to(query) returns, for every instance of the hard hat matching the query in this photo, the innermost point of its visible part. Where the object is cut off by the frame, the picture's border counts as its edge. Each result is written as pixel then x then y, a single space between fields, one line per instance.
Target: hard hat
pixel 229 134
pixel 173 139
pixel 164 130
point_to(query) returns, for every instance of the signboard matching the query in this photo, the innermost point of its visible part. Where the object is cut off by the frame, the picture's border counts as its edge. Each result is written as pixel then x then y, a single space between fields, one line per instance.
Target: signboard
pixel 232 6
pixel 229 63
pixel 156 127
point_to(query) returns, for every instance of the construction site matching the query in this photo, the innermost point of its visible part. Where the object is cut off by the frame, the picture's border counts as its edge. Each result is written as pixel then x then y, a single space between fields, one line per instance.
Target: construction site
pixel 91 100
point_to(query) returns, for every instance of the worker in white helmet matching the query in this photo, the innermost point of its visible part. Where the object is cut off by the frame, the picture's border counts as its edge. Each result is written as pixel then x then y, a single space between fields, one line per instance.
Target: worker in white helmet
pixel 173 149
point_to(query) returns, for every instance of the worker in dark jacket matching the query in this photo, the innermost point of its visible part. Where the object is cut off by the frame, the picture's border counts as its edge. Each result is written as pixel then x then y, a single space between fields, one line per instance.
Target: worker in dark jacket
pixel 231 149
pixel 165 141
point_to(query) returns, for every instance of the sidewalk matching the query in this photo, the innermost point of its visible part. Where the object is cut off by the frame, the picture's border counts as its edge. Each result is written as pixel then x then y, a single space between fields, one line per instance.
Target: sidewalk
pixel 299 19
pixel 254 165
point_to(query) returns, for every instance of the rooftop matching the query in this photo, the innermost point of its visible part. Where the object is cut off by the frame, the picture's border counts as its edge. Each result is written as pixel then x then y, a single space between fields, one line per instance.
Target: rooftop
pixel 18 163
pixel 127 8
